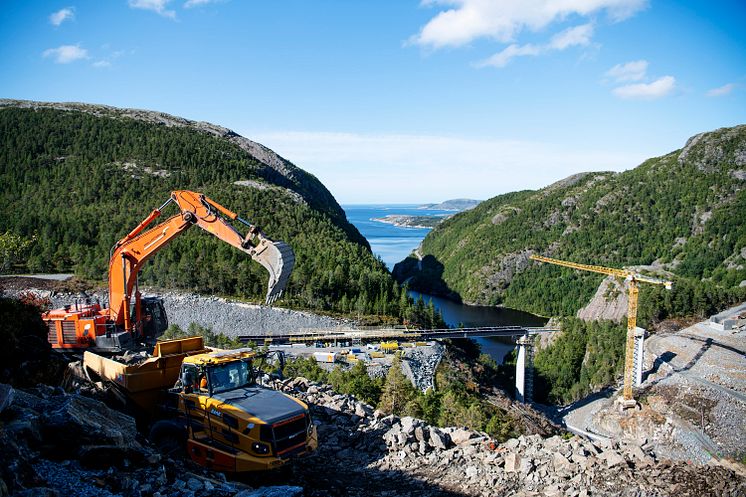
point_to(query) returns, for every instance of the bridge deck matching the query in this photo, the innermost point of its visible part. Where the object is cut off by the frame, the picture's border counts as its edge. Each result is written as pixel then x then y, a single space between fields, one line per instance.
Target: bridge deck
pixel 396 334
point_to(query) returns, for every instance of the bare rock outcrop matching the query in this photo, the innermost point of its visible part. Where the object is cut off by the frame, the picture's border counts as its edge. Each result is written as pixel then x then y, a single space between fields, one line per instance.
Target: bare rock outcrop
pixel 609 302
pixel 499 274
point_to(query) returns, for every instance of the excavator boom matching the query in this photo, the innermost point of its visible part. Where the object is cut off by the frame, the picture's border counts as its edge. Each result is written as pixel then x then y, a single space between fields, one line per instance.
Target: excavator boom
pixel 131 252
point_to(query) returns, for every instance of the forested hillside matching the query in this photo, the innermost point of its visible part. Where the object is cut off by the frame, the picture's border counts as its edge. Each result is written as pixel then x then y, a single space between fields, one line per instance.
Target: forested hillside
pixel 75 178
pixel 682 213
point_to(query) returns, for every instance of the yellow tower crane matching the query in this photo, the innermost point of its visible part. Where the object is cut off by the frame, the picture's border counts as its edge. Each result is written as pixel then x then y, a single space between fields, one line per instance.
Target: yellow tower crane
pixel 632 279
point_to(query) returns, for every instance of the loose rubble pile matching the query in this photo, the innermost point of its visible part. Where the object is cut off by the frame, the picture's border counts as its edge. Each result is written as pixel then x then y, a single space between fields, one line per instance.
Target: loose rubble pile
pixel 380 452
pixel 236 318
pixel 56 443
pixel 419 365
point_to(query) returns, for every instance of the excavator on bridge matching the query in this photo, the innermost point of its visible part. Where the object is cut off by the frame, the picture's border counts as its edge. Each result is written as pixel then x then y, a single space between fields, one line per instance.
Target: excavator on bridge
pixel 126 324
pixel 632 278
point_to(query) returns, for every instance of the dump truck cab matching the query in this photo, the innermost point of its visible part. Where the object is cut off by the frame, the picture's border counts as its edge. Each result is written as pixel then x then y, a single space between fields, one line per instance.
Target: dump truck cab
pixel 231 422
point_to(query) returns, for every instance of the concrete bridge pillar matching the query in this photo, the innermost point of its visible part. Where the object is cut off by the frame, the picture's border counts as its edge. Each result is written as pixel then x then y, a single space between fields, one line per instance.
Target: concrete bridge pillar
pixel 524 369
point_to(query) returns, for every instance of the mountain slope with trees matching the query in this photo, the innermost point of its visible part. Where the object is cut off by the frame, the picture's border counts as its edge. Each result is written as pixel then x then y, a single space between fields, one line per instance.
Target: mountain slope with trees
pixel 681 213
pixel 75 178
pixel 680 216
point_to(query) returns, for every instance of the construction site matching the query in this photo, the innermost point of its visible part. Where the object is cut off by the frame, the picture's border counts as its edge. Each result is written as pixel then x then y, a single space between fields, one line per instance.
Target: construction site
pixel 103 407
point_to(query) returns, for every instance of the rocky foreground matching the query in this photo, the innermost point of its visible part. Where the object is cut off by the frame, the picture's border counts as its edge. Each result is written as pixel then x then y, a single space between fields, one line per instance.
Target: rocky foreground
pixel 57 443
pixel 374 454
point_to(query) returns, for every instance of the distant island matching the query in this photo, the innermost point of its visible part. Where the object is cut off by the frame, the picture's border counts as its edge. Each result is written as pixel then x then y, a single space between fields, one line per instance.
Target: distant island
pixel 407 221
pixel 456 204
pixel 410 221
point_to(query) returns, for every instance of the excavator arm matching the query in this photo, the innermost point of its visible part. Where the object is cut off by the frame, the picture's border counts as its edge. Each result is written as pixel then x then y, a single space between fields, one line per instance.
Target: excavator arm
pixel 131 252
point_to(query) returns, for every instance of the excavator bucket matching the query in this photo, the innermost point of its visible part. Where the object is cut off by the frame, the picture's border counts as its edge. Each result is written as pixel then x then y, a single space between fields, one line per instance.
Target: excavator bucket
pixel 278 259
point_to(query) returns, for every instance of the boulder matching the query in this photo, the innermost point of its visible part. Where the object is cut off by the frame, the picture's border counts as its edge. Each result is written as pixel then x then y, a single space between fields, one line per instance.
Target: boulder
pixel 640 457
pixel 6 396
pixel 73 421
pixel 512 462
pixel 461 435
pixel 439 439
pixel 408 424
pixel 561 464
pixel 527 465
pixel 194 484
pixel 69 424
pixel 612 458
pixel 511 444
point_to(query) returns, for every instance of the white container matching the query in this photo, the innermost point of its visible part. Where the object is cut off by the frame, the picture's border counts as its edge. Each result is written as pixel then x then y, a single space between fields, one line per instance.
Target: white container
pixel 327 357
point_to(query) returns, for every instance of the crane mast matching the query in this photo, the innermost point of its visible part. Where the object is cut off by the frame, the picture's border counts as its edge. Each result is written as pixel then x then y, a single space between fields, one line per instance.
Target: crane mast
pixel 632 278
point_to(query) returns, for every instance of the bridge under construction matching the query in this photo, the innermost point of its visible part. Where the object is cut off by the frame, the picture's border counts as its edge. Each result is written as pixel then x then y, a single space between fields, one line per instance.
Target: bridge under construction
pixel 524 342
pixel 376 334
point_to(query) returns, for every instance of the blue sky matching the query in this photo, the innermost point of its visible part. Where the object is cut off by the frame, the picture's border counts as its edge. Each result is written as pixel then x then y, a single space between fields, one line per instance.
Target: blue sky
pixel 402 101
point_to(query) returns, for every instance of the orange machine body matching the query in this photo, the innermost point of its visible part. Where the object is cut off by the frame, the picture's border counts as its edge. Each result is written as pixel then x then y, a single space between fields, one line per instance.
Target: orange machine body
pixel 76 326
pixel 127 319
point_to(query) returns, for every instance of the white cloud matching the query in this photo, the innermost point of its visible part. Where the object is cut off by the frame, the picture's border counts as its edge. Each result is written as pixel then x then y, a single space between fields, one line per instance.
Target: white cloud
pixel 468 20
pixel 575 36
pixel 571 37
pixel 158 6
pixel 66 53
pixel 722 90
pixel 647 91
pixel 100 64
pixel 631 71
pixel 62 15
pixel 196 3
pixel 420 168
pixel 501 59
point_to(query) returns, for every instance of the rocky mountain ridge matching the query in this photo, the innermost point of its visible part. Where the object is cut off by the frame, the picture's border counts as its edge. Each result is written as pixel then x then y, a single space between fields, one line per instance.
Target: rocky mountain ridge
pixel 105 169
pixel 286 173
pixel 456 204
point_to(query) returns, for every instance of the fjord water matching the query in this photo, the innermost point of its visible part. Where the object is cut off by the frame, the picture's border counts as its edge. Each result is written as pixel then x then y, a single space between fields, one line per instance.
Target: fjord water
pixel 474 316
pixel 393 243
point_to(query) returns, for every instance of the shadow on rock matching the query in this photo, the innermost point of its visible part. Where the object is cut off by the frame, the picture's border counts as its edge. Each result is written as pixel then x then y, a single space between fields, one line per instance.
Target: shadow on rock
pixel 424 275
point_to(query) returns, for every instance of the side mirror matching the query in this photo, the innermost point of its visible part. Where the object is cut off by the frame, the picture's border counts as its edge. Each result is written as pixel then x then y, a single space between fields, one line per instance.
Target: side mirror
pixel 187 381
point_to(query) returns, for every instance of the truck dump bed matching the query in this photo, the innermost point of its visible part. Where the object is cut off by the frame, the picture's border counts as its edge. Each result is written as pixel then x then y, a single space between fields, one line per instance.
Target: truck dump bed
pixel 143 382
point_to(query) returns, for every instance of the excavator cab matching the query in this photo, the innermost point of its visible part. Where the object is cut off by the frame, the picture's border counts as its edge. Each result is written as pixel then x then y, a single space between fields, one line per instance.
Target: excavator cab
pixel 154 319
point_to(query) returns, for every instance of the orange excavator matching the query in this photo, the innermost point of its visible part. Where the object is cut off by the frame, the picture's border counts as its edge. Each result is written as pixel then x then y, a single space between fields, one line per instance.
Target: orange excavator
pixel 126 324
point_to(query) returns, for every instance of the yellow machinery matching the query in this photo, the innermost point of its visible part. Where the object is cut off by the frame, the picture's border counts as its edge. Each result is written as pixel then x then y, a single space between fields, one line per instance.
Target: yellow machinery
pixel 389 347
pixel 211 403
pixel 632 279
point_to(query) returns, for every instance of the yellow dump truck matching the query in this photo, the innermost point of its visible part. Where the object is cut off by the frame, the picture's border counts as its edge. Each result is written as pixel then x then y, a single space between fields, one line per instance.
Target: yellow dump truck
pixel 211 404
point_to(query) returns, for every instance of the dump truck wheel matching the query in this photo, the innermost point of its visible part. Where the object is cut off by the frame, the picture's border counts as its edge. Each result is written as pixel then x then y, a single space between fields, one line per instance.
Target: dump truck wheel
pixel 169 438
